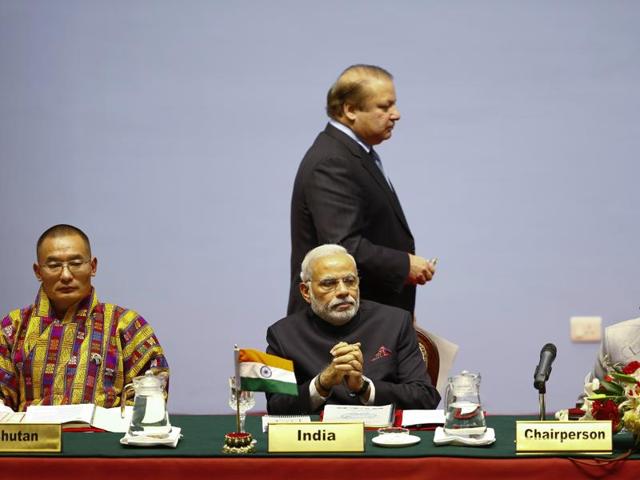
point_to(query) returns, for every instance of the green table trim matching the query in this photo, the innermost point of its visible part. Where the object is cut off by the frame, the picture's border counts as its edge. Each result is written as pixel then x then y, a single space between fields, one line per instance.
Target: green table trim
pixel 203 437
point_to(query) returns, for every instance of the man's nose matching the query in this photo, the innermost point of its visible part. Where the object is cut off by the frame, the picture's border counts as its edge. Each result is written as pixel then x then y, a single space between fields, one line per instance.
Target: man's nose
pixel 66 274
pixel 395 114
pixel 341 289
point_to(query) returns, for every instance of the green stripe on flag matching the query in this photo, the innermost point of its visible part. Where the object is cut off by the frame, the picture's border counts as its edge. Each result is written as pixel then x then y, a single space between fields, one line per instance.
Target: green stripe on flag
pixel 272 386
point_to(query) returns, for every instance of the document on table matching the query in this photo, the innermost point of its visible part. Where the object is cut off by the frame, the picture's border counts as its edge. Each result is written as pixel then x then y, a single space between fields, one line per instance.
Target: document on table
pixel 371 416
pixel 83 415
pixel 79 414
pixel 414 418
pixel 7 416
pixel 268 419
pixel 110 419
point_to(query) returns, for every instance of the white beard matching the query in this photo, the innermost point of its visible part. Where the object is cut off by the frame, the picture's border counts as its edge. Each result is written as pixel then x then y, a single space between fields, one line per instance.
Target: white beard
pixel 336 318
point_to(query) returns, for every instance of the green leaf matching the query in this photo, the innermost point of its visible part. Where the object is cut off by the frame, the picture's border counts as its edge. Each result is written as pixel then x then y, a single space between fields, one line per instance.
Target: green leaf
pixel 624 377
pixel 611 388
pixel 601 396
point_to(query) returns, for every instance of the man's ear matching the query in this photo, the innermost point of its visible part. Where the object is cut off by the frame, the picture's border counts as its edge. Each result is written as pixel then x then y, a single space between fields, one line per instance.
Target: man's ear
pixel 349 112
pixel 36 270
pixel 94 266
pixel 304 291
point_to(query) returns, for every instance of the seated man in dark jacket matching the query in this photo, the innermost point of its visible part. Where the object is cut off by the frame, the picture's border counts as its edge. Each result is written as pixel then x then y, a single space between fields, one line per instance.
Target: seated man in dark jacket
pixel 346 351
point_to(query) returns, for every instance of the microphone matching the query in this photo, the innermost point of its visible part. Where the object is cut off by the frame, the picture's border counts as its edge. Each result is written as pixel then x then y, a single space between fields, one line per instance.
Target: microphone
pixel 541 375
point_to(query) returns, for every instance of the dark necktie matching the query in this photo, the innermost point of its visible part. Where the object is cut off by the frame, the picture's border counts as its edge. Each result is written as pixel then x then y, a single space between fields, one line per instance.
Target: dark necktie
pixel 378 162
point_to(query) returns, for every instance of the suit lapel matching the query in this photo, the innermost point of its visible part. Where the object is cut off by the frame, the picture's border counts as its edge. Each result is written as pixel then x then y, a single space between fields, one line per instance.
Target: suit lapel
pixel 371 168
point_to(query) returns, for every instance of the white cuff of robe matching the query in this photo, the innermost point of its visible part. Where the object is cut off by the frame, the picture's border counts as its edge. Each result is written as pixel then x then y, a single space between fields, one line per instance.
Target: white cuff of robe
pixel 372 392
pixel 314 396
pixel 316 399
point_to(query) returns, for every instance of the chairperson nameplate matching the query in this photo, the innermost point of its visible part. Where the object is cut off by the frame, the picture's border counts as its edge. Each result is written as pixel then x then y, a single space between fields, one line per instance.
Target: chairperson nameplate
pixel 568 437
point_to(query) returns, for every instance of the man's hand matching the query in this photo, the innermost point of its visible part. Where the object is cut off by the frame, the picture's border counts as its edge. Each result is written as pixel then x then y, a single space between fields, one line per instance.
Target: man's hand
pixel 421 270
pixel 346 365
pixel 349 358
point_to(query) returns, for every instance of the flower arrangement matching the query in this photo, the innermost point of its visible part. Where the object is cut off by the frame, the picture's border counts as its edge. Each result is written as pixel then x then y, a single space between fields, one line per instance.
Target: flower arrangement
pixel 616 397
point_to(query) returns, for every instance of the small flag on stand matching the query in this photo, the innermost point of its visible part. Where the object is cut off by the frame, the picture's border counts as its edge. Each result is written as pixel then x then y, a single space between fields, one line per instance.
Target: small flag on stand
pixel 261 372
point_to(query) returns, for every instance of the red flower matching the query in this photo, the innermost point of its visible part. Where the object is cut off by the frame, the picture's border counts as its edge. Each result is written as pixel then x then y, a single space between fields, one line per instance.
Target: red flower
pixel 606 410
pixel 631 367
pixel 608 378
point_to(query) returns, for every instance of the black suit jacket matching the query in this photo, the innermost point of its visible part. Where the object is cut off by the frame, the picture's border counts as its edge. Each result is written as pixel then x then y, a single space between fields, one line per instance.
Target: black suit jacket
pixel 390 352
pixel 340 196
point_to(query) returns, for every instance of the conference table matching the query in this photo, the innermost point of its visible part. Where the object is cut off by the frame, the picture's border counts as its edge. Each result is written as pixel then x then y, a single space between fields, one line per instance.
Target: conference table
pixel 99 455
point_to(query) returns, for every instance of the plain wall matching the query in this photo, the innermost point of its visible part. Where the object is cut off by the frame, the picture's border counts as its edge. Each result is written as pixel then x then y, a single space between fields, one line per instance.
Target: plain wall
pixel 170 131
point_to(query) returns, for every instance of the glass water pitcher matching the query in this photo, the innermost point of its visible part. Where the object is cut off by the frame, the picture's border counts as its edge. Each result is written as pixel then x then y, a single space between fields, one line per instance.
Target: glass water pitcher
pixel 464 415
pixel 150 417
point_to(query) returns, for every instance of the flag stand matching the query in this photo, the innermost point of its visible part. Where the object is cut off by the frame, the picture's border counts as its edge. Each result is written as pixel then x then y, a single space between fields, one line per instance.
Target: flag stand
pixel 257 372
pixel 238 395
pixel 237 442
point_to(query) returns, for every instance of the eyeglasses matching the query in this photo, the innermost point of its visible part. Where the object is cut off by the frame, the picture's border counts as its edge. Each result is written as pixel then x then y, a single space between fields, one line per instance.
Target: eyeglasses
pixel 331 284
pixel 56 268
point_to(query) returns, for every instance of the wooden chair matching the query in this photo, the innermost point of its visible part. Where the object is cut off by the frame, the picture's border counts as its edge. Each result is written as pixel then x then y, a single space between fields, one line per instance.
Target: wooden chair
pixel 430 354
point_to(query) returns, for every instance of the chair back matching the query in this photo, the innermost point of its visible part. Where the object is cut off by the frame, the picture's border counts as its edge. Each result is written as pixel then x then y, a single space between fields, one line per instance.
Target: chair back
pixel 430 354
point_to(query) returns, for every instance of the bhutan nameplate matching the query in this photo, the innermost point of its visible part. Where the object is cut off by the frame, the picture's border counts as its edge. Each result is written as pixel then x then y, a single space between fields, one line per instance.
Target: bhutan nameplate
pixel 316 437
pixel 30 437
pixel 554 436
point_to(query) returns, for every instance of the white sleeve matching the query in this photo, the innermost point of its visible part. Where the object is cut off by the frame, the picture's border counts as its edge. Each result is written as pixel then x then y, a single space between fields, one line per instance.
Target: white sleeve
pixel 314 396
pixel 372 391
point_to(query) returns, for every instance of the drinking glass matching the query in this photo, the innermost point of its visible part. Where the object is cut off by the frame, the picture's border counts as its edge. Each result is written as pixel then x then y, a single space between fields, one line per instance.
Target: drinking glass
pixel 247 401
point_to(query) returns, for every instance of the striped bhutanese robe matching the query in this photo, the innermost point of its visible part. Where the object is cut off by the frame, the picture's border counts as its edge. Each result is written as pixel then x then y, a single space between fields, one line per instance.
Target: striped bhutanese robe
pixel 87 357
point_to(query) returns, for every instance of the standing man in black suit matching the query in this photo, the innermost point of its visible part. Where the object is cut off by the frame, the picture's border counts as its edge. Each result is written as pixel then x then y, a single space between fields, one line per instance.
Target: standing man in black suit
pixel 342 195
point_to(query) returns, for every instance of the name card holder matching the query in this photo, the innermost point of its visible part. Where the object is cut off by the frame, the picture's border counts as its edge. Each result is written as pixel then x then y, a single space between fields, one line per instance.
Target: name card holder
pixel 593 437
pixel 30 437
pixel 317 437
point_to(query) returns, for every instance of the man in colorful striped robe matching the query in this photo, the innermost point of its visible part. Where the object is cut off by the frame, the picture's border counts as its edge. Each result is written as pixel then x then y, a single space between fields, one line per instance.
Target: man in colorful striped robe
pixel 68 347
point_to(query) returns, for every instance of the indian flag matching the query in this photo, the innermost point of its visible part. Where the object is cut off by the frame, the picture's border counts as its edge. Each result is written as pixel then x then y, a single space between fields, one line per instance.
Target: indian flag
pixel 261 372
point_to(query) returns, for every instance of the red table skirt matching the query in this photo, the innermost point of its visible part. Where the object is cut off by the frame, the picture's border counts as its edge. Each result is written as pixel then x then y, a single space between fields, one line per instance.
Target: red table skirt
pixel 159 468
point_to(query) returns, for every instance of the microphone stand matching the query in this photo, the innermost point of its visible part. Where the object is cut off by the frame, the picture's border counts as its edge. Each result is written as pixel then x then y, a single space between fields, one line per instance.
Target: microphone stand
pixel 542 390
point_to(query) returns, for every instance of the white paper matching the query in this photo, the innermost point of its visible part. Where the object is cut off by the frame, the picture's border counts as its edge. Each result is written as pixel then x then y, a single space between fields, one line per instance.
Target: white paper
pixel 78 413
pixel 9 416
pixel 170 440
pixel 267 419
pixel 422 417
pixel 376 416
pixel 110 419
pixel 440 437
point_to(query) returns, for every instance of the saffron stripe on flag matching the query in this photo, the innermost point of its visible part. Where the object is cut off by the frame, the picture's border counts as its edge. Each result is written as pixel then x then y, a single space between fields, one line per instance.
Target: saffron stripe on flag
pixel 250 355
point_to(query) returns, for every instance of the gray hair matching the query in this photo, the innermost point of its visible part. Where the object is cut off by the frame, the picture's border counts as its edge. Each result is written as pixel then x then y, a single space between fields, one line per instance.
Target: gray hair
pixel 317 253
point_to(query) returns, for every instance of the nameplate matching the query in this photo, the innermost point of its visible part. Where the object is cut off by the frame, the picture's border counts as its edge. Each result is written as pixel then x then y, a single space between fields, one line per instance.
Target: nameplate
pixel 316 437
pixel 30 437
pixel 574 437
